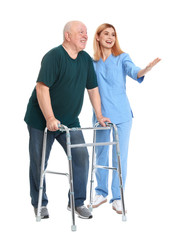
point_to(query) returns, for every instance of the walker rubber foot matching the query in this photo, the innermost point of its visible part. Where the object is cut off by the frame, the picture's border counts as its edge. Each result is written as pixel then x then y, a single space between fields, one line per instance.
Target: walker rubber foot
pixel 74 228
pixel 124 218
pixel 38 219
pixel 90 208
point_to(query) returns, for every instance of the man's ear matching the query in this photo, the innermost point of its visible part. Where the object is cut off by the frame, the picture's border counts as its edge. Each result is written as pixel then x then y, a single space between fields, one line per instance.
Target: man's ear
pixel 67 36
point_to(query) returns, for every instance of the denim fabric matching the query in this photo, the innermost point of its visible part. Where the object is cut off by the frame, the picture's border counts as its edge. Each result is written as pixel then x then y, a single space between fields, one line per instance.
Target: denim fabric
pixel 80 163
pixel 102 158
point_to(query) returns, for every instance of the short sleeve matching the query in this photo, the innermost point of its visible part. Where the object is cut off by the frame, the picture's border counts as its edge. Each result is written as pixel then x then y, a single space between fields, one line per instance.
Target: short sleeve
pixel 130 68
pixel 49 69
pixel 91 77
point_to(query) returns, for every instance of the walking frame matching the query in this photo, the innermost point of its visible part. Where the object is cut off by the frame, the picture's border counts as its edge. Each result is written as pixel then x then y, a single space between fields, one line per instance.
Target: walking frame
pixel 63 128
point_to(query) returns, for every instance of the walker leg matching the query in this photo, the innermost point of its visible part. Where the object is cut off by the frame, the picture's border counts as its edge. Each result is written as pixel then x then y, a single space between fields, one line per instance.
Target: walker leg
pixel 121 191
pixel 120 173
pixel 72 200
pixel 92 173
pixel 38 217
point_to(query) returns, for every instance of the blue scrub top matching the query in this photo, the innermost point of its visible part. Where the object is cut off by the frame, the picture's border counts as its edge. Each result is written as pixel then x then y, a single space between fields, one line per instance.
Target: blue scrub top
pixel 111 77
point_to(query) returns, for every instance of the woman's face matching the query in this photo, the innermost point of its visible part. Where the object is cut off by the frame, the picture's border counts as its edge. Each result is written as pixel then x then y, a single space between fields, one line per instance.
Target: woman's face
pixel 107 38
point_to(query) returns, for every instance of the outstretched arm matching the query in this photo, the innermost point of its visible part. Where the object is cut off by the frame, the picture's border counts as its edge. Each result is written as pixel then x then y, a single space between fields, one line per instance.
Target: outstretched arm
pixel 142 72
pixel 96 103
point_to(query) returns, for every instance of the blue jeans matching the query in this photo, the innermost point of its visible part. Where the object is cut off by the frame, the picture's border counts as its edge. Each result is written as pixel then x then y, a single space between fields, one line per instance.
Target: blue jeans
pixel 102 158
pixel 80 163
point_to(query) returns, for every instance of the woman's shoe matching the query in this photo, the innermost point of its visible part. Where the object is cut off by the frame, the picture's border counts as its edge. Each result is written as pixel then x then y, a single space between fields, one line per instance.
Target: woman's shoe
pixel 117 206
pixel 98 200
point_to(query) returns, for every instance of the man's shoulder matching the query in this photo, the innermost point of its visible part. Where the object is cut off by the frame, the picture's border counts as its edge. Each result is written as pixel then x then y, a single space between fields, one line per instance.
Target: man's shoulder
pixel 54 51
pixel 53 54
pixel 85 56
pixel 84 53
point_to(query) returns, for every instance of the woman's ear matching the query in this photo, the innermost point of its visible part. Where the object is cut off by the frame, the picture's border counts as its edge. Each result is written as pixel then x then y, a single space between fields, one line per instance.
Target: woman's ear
pixel 97 38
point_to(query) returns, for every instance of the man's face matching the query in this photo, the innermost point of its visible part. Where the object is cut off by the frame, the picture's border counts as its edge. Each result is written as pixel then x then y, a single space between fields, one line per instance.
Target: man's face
pixel 78 36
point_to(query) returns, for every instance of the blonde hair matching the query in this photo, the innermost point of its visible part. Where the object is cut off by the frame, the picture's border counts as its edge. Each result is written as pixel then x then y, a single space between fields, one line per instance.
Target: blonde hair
pixel 116 50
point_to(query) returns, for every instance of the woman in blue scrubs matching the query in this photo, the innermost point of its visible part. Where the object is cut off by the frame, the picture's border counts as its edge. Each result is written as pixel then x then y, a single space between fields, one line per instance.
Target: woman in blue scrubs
pixel 112 66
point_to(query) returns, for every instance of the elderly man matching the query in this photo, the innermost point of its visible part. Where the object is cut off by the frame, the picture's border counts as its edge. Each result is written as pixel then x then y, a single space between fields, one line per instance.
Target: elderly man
pixel 57 98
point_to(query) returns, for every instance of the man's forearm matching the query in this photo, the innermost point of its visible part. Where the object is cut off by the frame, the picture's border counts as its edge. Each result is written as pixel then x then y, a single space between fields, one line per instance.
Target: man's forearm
pixel 95 101
pixel 44 100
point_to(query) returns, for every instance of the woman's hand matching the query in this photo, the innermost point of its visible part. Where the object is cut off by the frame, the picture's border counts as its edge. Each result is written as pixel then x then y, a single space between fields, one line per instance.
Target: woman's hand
pixel 102 120
pixel 152 64
pixel 142 72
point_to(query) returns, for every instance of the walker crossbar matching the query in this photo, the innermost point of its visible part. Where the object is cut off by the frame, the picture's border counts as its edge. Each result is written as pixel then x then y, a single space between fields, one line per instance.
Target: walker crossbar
pixel 105 167
pixel 92 144
pixel 58 173
pixel 63 128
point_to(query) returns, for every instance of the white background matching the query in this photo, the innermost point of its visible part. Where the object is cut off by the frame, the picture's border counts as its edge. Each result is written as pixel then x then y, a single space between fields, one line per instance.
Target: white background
pixel 146 30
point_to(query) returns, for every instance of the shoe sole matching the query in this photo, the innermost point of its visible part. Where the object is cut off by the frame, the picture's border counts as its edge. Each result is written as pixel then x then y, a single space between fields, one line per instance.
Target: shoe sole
pixel 80 216
pixel 97 205
pixel 45 217
pixel 119 212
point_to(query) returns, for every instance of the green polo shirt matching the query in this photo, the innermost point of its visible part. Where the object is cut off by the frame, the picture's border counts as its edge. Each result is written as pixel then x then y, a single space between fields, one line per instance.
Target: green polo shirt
pixel 67 79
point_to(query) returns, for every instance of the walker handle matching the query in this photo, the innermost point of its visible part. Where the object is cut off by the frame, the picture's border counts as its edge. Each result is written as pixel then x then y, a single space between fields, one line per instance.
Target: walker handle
pixel 61 127
pixel 108 123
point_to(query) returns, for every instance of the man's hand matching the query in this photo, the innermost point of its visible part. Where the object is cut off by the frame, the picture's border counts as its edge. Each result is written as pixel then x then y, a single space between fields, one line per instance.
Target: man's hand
pixel 102 121
pixel 52 124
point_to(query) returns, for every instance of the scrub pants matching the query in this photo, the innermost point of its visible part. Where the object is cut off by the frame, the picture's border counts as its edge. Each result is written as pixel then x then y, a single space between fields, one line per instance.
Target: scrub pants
pixel 80 163
pixel 102 158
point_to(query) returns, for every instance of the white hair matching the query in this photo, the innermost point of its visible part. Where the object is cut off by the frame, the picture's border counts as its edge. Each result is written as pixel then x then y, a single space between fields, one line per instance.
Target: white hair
pixel 67 28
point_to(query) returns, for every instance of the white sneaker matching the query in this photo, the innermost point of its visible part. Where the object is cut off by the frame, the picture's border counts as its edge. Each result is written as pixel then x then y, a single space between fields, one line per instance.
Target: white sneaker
pixel 117 206
pixel 98 200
